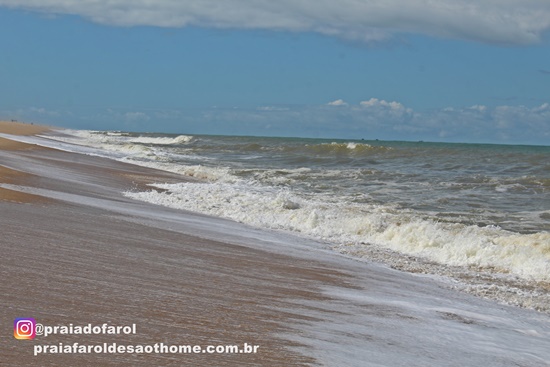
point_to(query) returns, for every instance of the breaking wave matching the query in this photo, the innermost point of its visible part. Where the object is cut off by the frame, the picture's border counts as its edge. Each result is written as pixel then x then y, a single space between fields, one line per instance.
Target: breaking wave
pixel 405 231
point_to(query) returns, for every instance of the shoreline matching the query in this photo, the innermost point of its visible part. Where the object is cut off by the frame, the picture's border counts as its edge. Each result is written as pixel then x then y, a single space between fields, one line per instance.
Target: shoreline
pixel 10 176
pixel 88 254
pixel 57 277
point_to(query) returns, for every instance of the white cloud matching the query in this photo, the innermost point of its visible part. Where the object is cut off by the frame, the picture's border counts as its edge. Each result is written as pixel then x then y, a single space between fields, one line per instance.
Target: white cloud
pixel 545 107
pixel 493 21
pixel 338 102
pixel 384 110
pixel 375 102
pixel 479 108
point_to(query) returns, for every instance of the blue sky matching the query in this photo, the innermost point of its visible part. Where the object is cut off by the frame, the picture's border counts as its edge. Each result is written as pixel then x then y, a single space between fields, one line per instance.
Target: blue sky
pixel 464 71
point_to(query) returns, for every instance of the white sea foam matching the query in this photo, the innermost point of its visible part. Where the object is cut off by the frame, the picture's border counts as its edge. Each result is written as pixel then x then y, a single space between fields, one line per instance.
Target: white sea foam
pixel 181 139
pixel 344 148
pixel 527 256
pixel 124 147
pixel 111 140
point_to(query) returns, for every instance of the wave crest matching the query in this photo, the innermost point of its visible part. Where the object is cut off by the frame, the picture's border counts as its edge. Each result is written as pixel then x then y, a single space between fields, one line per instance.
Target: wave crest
pixel 350 148
pixel 455 244
pixel 181 139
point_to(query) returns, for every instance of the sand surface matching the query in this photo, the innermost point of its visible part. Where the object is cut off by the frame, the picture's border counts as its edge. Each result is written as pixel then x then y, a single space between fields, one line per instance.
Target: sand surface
pixel 9 175
pixel 74 250
pixel 19 128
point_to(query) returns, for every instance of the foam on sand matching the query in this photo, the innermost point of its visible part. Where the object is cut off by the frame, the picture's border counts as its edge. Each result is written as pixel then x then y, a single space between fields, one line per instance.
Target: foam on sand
pixel 455 244
pixel 181 139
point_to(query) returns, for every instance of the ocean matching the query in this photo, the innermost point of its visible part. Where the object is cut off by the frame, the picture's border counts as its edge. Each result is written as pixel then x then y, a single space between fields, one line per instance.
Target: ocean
pixel 477 214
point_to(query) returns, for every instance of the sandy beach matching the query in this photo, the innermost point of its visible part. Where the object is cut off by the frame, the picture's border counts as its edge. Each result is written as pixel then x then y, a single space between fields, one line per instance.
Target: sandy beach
pixel 11 176
pixel 74 250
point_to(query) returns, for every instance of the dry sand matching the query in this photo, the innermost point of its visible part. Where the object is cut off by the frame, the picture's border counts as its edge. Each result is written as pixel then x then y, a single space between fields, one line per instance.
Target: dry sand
pixel 19 128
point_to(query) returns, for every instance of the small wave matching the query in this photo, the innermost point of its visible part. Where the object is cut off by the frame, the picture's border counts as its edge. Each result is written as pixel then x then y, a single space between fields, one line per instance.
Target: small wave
pixel 117 133
pixel 133 149
pixel 511 187
pixel 200 172
pixel 350 148
pixel 181 139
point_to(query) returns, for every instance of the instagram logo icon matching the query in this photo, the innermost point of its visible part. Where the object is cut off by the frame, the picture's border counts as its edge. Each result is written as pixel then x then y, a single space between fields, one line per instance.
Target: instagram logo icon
pixel 24 328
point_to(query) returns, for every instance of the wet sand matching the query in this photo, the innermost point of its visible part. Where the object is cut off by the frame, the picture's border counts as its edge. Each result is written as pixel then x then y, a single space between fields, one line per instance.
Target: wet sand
pixel 68 263
pixel 11 176
pixel 74 250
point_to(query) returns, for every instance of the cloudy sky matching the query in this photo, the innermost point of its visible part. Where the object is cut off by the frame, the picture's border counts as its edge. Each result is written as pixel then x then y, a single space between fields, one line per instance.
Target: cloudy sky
pixel 433 70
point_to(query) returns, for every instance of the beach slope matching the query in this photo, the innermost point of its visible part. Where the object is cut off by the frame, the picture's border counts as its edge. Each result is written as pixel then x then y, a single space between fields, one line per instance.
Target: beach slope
pixel 76 251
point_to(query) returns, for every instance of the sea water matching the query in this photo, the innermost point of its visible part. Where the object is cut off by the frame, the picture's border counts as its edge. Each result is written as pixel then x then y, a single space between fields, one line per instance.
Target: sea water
pixel 471 208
